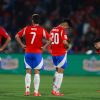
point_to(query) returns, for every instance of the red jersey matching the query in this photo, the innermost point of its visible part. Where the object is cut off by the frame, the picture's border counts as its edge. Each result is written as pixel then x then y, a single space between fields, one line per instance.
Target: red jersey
pixel 3 33
pixel 58 35
pixel 33 36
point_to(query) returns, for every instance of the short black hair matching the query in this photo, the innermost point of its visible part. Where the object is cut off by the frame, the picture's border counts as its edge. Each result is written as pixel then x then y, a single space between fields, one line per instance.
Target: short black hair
pixel 36 18
pixel 96 40
pixel 66 20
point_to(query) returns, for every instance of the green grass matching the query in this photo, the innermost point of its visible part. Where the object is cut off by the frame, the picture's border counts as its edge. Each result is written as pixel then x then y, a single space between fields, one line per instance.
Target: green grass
pixel 74 88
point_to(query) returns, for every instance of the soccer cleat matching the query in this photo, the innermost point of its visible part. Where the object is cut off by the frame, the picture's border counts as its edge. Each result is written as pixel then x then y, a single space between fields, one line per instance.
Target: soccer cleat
pixel 53 92
pixel 37 94
pixel 27 93
pixel 56 93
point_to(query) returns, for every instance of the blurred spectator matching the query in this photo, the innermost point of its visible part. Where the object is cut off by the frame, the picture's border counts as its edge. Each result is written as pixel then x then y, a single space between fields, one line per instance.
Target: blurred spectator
pixel 84 14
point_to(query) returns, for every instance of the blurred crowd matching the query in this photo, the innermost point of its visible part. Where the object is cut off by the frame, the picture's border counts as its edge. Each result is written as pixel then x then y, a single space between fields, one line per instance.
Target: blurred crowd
pixel 84 15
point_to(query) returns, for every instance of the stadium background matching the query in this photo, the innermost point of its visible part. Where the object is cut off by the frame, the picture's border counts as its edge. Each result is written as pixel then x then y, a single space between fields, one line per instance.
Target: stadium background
pixel 81 77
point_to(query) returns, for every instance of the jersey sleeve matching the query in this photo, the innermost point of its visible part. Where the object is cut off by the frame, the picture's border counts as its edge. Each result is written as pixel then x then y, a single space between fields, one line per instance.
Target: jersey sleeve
pixel 21 33
pixel 3 33
pixel 64 35
pixel 46 34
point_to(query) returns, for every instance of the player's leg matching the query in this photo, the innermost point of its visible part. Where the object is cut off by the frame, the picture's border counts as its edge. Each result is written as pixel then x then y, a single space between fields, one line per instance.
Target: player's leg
pixel 38 65
pixel 57 82
pixel 28 66
pixel 60 65
pixel 36 82
pixel 56 73
pixel 28 81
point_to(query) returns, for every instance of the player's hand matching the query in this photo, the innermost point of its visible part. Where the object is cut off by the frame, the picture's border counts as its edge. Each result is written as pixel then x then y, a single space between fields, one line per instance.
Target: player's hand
pixel 66 46
pixel 43 49
pixel 23 46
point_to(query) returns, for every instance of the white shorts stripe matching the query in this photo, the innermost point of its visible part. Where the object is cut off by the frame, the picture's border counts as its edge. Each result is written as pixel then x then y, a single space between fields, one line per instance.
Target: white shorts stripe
pixel 40 65
pixel 27 66
pixel 62 62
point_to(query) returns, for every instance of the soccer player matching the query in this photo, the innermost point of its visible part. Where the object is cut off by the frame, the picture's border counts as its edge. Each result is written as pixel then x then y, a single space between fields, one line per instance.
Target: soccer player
pixel 97 45
pixel 59 48
pixel 33 51
pixel 4 34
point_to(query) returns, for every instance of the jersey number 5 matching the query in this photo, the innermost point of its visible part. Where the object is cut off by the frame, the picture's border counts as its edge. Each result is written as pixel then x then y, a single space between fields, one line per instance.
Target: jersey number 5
pixel 33 37
pixel 55 37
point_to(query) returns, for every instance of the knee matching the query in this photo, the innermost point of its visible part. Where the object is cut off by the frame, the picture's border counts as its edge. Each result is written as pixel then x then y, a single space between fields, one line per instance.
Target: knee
pixel 36 71
pixel 60 70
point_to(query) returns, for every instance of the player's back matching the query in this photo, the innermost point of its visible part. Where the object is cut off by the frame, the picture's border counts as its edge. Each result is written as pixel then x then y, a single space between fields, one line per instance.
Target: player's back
pixel 33 35
pixel 57 35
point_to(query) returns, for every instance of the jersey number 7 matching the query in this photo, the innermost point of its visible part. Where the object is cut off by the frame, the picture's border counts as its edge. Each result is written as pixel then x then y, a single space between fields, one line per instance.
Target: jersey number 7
pixel 33 37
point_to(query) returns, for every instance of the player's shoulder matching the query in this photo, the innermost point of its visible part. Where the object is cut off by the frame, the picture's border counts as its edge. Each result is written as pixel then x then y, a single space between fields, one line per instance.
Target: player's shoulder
pixel 41 27
pixel 25 27
pixel 56 29
pixel 28 26
pixel 60 27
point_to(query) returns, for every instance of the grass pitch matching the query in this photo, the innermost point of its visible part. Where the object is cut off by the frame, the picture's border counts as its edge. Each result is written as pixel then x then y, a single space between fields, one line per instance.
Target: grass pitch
pixel 74 88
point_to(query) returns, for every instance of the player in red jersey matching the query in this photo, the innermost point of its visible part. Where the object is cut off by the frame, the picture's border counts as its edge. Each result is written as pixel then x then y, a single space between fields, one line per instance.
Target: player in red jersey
pixel 97 45
pixel 33 51
pixel 59 53
pixel 4 34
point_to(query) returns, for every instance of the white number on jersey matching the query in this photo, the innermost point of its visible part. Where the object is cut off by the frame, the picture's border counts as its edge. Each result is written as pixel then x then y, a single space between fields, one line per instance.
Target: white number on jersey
pixel 33 37
pixel 55 37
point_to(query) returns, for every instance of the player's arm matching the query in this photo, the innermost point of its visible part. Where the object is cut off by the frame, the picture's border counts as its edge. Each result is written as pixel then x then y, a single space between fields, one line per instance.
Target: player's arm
pixel 46 45
pixel 20 41
pixel 65 39
pixel 7 37
pixel 48 38
pixel 66 44
pixel 18 38
pixel 5 44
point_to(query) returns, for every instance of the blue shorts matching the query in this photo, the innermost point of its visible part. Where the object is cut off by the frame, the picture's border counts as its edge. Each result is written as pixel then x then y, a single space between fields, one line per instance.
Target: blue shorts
pixel 33 60
pixel 60 61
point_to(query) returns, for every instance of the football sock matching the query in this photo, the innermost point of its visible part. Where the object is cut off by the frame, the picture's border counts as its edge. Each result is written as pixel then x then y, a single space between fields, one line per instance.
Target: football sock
pixel 60 78
pixel 36 82
pixel 54 81
pixel 27 81
pixel 58 81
